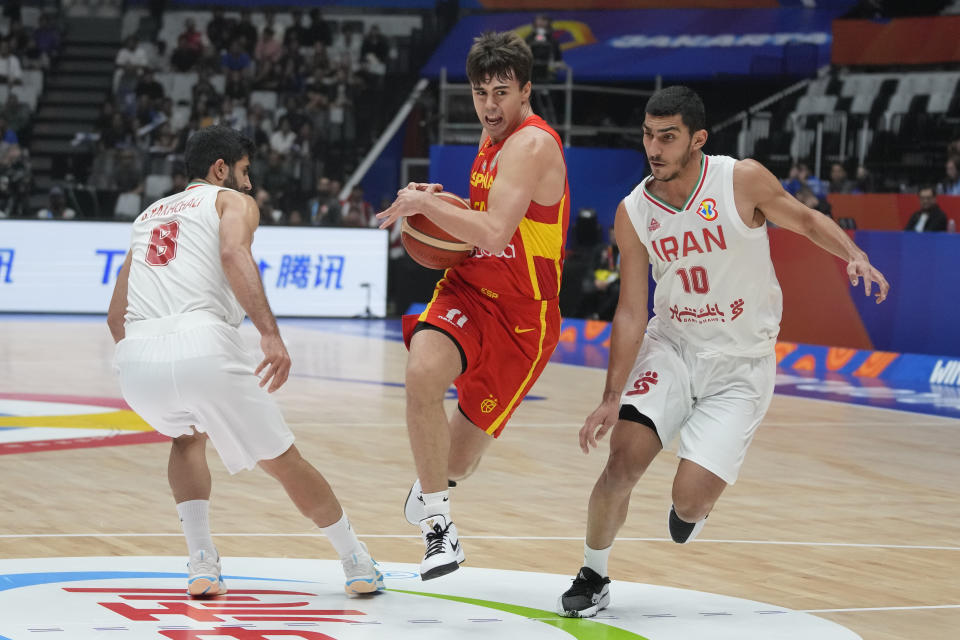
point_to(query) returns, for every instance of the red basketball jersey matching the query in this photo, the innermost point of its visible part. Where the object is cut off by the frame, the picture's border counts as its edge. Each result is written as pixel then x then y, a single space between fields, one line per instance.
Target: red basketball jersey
pixel 531 264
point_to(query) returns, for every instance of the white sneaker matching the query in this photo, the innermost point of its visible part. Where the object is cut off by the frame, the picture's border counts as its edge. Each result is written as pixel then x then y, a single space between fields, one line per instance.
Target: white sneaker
pixel 444 553
pixel 362 573
pixel 204 577
pixel 413 507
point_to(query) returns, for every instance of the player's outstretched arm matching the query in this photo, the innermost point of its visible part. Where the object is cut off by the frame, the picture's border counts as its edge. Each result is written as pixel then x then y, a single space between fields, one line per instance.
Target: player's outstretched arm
pixel 118 302
pixel 239 217
pixel 756 186
pixel 626 333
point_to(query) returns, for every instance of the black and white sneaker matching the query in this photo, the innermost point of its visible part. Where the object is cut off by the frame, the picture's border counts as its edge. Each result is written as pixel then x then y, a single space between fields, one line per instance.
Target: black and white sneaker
pixel 444 553
pixel 588 595
pixel 413 505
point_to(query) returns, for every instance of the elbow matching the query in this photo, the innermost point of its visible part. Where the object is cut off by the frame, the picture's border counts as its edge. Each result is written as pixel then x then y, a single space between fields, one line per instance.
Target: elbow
pixel 231 256
pixel 496 240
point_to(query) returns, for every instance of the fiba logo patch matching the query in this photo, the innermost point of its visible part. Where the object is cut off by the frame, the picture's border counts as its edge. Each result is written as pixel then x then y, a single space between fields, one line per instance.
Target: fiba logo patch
pixel 642 385
pixel 488 405
pixel 708 210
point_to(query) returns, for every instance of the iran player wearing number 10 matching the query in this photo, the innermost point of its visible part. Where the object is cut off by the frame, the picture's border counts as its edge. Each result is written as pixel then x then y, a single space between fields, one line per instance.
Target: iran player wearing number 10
pixel 705 369
pixel 181 294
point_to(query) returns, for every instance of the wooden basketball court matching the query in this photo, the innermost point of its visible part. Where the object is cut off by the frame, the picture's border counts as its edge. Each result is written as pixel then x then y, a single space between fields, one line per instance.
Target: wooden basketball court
pixel 848 512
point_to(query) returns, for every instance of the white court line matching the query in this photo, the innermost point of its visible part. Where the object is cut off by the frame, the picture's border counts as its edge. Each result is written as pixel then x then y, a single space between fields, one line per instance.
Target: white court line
pixel 481 537
pixel 577 425
pixel 933 606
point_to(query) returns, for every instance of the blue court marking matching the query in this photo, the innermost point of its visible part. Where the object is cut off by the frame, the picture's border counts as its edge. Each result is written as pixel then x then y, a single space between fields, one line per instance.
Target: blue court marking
pixel 18 580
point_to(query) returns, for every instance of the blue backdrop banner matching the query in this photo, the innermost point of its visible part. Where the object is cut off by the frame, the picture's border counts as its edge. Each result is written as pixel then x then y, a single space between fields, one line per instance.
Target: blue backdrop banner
pixel 678 44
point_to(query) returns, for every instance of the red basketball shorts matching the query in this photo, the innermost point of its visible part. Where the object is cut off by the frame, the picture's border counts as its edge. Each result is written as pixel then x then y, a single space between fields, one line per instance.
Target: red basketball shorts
pixel 506 341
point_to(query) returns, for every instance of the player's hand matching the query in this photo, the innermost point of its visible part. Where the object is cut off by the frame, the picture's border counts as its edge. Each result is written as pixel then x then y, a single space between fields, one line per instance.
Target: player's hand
pixel 861 268
pixel 598 423
pixel 276 362
pixel 430 187
pixel 408 203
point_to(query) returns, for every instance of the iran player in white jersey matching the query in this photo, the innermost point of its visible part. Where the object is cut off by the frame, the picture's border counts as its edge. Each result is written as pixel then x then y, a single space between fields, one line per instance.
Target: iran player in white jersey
pixel 703 368
pixel 179 298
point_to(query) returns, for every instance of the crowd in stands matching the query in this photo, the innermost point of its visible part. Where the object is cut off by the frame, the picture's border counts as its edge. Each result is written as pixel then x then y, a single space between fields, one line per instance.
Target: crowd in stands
pixel 308 95
pixel 23 50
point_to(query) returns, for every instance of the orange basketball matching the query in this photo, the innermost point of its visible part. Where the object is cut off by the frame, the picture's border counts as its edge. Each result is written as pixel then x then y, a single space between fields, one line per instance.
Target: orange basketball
pixel 431 246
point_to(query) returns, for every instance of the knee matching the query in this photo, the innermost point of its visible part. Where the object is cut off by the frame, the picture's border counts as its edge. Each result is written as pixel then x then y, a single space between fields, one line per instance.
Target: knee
pixel 622 471
pixel 423 382
pixel 279 466
pixel 689 506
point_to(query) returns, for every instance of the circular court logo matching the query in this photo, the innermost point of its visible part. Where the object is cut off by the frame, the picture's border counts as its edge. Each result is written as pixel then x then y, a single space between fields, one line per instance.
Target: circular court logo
pixel 143 598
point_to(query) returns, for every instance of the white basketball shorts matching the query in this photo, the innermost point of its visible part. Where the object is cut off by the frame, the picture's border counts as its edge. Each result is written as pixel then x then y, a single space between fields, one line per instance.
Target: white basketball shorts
pixel 713 402
pixel 192 370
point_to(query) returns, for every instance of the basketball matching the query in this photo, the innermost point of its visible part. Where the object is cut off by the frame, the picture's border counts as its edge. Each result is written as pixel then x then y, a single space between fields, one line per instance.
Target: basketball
pixel 431 246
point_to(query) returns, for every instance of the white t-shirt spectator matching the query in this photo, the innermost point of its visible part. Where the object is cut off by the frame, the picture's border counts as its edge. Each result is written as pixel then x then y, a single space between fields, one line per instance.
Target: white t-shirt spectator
pixel 10 69
pixel 282 142
pixel 137 57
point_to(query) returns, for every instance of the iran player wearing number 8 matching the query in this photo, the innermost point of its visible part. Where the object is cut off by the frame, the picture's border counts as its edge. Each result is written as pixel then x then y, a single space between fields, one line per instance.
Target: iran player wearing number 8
pixel 704 372
pixel 180 296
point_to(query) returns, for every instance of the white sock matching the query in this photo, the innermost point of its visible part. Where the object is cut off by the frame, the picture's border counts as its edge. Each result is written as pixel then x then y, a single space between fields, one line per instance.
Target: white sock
pixel 437 504
pixel 195 521
pixel 342 537
pixel 596 559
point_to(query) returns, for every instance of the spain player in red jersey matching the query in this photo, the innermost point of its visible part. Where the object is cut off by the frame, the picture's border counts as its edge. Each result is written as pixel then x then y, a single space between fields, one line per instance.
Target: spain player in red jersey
pixel 494 320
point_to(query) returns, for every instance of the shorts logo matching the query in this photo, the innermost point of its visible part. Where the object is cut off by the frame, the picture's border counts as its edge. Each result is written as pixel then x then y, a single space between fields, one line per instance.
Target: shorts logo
pixel 708 210
pixel 488 405
pixel 517 329
pixel 489 294
pixel 642 385
pixel 452 318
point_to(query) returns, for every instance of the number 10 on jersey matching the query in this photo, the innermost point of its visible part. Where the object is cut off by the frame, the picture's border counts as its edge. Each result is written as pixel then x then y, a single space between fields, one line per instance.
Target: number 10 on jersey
pixel 694 280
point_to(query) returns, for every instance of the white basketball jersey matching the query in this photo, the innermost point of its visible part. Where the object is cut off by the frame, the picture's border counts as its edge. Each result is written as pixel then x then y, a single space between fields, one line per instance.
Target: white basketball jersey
pixel 716 287
pixel 176 265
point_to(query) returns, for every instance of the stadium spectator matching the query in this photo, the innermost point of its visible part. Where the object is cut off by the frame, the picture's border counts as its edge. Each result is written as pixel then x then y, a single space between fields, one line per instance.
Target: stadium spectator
pixel 184 58
pixel 345 50
pixel 269 48
pixel 865 182
pixel 267 77
pixel 324 207
pixel 16 114
pixel 807 196
pixel 929 217
pixel 545 49
pixel 282 139
pixel 9 145
pixel 179 180
pixel 132 55
pixel 194 38
pixel 57 208
pixel 951 183
pixel 46 41
pixel 254 128
pixel 204 90
pixel 839 183
pixel 319 30
pixel 374 52
pixel 800 177
pixel 218 29
pixel 236 59
pixel 245 32
pixel 356 211
pixel 10 70
pixel 237 87
pixel 149 87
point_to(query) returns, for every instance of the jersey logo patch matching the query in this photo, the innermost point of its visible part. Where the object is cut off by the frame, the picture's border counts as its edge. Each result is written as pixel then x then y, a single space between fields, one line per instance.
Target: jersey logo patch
pixel 654 225
pixel 708 209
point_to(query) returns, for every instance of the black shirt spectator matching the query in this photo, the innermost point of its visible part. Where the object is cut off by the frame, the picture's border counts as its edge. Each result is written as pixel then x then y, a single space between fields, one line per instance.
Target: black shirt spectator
pixel 319 30
pixel 930 217
pixel 245 31
pixel 148 86
pixel 184 57
pixel 545 49
pixel 218 29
